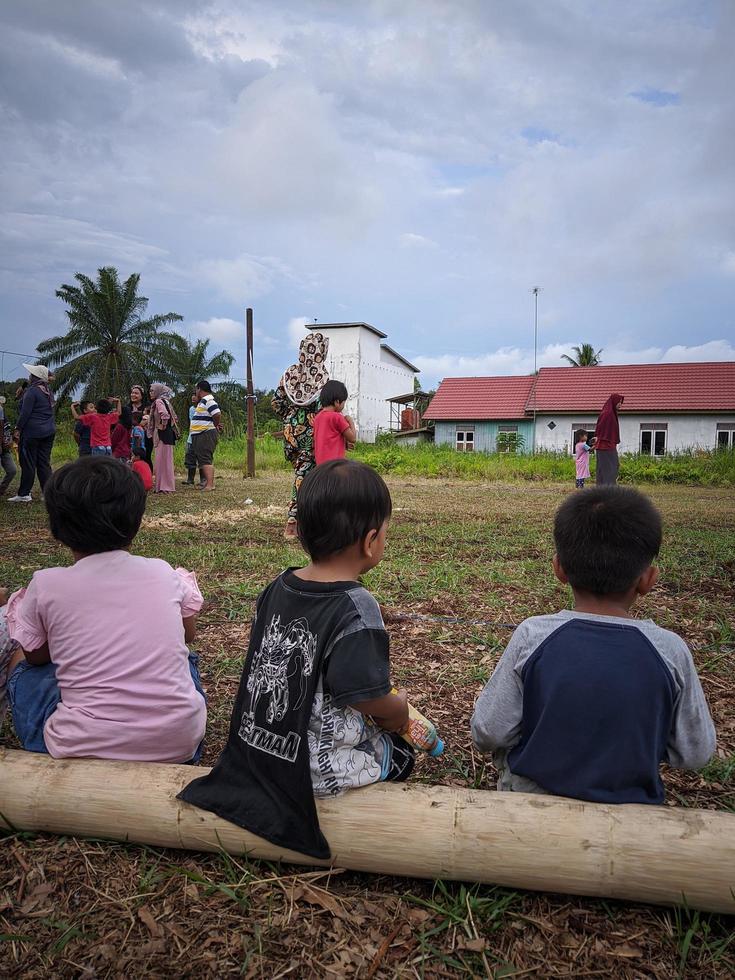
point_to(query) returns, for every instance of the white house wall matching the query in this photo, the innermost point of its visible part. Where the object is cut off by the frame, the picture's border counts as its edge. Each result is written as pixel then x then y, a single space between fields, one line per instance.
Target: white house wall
pixel 371 374
pixel 683 431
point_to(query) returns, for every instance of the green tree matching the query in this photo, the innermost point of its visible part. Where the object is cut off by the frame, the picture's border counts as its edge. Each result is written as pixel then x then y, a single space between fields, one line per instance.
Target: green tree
pixel 181 363
pixel 587 356
pixel 110 341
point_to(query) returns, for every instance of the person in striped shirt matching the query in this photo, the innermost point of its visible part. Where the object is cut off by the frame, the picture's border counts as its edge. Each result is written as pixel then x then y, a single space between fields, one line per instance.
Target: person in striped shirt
pixel 205 427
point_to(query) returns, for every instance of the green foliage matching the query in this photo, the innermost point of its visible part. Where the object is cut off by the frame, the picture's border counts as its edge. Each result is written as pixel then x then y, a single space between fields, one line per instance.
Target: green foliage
pixel 698 467
pixel 181 363
pixel 110 343
pixel 587 356
pixel 511 442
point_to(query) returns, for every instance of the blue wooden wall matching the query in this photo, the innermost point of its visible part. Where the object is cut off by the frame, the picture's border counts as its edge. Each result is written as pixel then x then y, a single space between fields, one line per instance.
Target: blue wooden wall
pixel 486 434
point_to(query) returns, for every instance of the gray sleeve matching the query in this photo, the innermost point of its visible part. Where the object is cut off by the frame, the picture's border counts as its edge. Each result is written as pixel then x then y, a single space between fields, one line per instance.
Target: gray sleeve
pixel 496 722
pixel 692 740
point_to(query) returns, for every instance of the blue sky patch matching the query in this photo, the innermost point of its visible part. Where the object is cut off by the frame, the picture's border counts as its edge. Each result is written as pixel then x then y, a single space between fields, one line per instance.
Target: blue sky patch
pixel 657 97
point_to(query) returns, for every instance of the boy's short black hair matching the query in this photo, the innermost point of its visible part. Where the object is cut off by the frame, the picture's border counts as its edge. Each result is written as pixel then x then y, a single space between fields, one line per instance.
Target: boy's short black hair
pixel 136 417
pixel 606 537
pixel 103 406
pixel 139 453
pixel 339 503
pixel 204 386
pixel 333 391
pixel 94 504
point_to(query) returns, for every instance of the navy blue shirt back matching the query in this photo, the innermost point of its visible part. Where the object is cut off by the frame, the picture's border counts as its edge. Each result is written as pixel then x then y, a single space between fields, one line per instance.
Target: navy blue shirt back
pixel 598 703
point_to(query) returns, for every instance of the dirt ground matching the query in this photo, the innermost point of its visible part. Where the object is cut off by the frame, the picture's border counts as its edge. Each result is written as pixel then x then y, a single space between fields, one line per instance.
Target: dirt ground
pixel 464 563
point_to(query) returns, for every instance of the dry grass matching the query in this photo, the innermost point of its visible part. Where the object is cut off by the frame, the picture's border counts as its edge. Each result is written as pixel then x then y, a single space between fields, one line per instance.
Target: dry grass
pixel 463 562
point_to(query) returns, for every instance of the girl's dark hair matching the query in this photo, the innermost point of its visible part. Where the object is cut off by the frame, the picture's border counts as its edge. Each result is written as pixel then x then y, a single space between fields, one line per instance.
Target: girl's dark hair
pixel 606 537
pixel 339 503
pixel 139 453
pixel 94 504
pixel 579 433
pixel 333 391
pixel 103 406
pixel 126 418
pixel 136 417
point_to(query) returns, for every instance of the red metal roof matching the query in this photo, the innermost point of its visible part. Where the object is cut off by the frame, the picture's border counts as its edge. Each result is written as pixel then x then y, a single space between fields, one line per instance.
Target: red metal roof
pixel 707 386
pixel 480 398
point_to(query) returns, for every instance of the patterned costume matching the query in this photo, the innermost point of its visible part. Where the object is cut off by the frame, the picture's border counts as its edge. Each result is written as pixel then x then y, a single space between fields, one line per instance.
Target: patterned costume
pixel 296 402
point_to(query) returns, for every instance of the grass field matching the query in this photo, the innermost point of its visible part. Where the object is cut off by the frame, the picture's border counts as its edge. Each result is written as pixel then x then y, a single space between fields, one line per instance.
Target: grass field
pixel 465 560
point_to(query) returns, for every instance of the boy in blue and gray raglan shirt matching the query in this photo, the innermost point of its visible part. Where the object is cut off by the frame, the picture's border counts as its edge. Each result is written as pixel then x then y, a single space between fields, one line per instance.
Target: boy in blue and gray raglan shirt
pixel 588 703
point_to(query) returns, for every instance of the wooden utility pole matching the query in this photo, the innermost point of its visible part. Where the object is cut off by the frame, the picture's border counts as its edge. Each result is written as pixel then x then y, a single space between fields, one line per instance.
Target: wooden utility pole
pixel 250 394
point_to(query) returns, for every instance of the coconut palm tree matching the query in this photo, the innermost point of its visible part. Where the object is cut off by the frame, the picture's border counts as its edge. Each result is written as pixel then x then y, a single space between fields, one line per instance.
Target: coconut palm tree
pixel 587 356
pixel 182 363
pixel 107 348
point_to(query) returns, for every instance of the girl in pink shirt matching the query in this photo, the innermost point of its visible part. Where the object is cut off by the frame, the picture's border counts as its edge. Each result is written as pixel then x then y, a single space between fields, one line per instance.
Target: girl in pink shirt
pixel 88 679
pixel 582 450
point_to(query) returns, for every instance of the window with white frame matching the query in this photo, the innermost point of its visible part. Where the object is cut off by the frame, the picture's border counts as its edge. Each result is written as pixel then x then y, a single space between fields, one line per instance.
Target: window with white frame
pixel 653 438
pixel 507 439
pixel 464 441
pixel 725 435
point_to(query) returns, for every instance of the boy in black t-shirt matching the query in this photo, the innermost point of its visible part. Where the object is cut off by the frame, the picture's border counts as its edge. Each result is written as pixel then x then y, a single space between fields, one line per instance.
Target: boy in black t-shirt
pixel 315 713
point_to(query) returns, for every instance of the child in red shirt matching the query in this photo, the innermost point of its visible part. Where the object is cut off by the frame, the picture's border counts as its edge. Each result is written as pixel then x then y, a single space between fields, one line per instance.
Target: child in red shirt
pixel 142 468
pixel 100 424
pixel 334 432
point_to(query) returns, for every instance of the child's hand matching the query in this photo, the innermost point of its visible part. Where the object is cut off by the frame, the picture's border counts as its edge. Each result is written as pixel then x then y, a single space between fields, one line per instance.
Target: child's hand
pixel 389 712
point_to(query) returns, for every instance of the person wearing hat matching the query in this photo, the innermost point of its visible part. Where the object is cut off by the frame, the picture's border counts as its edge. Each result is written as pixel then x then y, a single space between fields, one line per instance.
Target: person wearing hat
pixel 37 431
pixel 6 448
pixel 297 401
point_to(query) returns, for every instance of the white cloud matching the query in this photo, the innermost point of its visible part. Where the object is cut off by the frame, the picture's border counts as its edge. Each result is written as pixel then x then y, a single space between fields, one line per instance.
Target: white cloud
pixel 518 360
pixel 296 329
pixel 411 240
pixel 219 328
pixel 243 279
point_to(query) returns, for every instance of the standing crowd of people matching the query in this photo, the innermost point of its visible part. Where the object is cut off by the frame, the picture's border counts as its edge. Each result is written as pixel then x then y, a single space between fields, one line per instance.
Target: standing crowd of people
pixel 141 434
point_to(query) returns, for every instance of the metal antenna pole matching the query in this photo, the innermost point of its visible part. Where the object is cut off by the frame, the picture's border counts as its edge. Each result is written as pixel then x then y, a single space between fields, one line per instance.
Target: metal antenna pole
pixel 535 292
pixel 250 394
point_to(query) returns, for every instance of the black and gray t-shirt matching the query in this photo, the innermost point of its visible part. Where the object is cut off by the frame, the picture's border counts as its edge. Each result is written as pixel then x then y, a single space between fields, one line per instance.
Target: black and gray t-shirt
pixel 315 649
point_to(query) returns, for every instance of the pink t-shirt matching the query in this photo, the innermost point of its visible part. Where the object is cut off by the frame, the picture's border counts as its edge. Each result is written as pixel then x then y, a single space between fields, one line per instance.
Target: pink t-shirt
pixel 582 458
pixel 114 628
pixel 329 439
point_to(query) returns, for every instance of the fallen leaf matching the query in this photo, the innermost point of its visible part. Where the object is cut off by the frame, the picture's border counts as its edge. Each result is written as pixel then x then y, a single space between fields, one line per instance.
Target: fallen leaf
pixel 627 951
pixel 146 917
pixel 320 897
pixel 471 945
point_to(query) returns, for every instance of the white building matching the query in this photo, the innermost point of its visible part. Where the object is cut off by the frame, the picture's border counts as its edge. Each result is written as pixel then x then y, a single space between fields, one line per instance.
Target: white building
pixel 667 408
pixel 372 371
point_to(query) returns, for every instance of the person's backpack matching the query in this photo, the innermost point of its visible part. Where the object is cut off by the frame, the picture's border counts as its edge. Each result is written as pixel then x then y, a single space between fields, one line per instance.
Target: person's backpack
pixel 171 433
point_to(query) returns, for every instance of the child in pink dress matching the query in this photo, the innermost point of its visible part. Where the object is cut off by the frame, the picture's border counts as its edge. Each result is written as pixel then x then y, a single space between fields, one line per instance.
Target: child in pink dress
pixel 582 450
pixel 87 678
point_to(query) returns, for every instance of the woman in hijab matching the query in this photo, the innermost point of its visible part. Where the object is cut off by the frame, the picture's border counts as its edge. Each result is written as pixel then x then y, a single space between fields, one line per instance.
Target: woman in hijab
pixel 37 431
pixel 607 437
pixel 139 403
pixel 163 428
pixel 297 401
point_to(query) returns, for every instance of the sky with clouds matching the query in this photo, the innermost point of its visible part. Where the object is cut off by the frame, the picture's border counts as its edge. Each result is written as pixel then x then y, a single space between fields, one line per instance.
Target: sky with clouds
pixel 417 165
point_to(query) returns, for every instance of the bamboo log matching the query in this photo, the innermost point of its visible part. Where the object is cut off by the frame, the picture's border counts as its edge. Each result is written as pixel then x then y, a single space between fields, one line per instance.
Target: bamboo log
pixel 651 854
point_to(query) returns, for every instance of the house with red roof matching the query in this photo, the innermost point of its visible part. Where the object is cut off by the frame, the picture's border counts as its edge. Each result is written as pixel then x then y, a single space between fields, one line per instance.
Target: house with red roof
pixel 666 408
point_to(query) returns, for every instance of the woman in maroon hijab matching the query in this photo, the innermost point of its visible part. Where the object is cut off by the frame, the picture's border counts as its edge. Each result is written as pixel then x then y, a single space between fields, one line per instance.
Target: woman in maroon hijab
pixel 607 437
